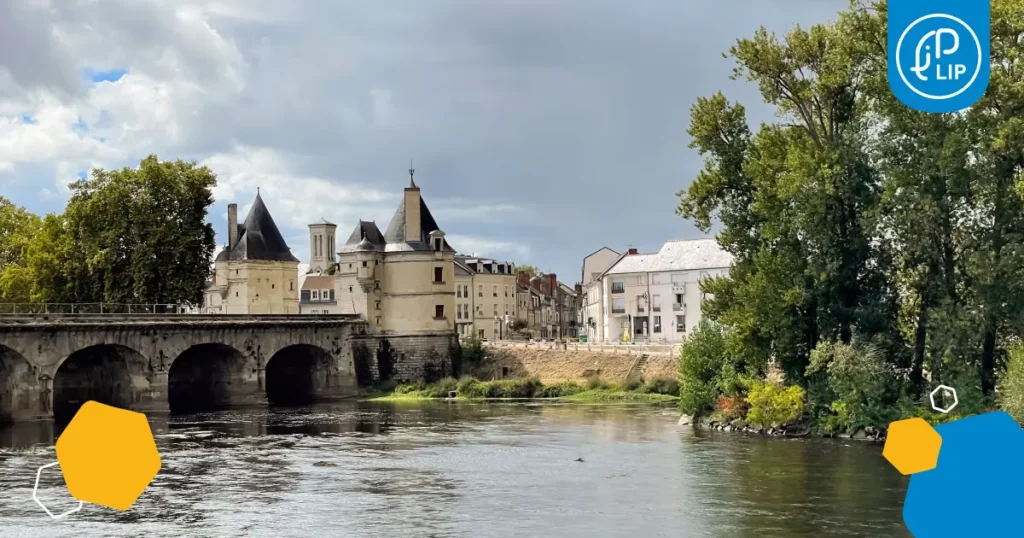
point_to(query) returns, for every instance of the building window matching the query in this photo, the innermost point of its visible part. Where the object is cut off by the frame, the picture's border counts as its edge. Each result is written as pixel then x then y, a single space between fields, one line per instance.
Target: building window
pixel 376 284
pixel 618 286
pixel 656 303
pixel 680 324
pixel 364 264
pixel 678 279
pixel 350 289
pixel 236 271
pixel 479 290
pixel 437 243
pixel 657 279
pixel 618 305
pixel 236 294
pixel 378 321
pixel 495 290
pixel 506 291
pixel 350 266
pixel 316 294
pixel 657 324
pixel 291 285
pixel 438 275
pixel 378 305
pixel 495 310
pixel 439 311
pixel 639 303
pixel 272 286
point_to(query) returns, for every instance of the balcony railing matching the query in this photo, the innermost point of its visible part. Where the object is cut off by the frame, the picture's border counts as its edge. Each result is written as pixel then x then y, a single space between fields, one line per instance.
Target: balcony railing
pixel 677 307
pixel 618 310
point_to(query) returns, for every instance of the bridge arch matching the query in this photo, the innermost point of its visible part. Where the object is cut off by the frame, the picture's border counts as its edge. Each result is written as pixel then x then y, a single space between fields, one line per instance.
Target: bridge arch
pixel 18 394
pixel 303 373
pixel 112 374
pixel 205 377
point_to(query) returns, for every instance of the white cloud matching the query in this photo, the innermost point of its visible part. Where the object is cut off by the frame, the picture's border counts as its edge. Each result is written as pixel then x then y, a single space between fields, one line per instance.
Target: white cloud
pixel 482 246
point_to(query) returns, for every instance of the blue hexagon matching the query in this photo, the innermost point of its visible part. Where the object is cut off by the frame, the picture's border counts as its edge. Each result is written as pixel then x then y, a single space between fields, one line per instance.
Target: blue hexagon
pixel 974 489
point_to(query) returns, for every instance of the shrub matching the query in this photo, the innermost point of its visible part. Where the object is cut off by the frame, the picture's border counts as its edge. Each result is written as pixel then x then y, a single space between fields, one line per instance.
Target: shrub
pixel 409 388
pixel 558 390
pixel 1011 384
pixel 774 405
pixel 662 385
pixel 851 387
pixel 465 385
pixel 730 407
pixel 472 350
pixel 701 360
pixel 596 383
pixel 511 388
pixel 633 384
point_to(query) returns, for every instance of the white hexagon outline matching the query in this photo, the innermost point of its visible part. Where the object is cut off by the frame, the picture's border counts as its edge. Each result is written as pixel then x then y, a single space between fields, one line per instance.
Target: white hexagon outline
pixel 35 496
pixel 931 397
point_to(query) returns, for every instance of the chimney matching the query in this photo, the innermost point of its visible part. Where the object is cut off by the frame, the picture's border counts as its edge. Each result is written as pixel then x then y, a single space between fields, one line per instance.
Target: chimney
pixel 412 210
pixel 553 283
pixel 632 252
pixel 523 279
pixel 232 224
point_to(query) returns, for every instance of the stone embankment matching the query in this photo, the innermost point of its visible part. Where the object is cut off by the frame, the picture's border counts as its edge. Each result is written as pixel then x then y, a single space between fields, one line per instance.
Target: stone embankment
pixel 556 362
pixel 796 430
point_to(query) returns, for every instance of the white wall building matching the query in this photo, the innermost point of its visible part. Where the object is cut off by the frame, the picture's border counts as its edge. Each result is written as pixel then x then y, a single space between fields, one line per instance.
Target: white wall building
pixel 591 303
pixel 657 297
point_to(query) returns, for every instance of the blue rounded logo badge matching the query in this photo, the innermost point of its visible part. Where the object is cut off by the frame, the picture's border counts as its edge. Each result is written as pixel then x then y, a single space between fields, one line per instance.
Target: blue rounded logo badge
pixel 939 53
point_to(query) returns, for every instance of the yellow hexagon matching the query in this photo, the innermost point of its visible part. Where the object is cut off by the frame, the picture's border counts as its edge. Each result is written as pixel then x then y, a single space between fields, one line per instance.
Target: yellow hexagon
pixel 108 455
pixel 912 446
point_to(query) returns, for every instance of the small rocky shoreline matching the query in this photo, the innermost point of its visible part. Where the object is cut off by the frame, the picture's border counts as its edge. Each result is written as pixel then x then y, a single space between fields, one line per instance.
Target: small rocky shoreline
pixel 791 431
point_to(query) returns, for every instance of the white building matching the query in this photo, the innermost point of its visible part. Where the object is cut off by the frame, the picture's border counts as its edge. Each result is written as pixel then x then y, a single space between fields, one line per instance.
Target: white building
pixel 657 297
pixel 591 310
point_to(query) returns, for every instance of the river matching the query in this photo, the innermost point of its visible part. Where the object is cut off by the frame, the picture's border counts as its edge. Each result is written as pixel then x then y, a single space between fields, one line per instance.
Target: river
pixel 447 469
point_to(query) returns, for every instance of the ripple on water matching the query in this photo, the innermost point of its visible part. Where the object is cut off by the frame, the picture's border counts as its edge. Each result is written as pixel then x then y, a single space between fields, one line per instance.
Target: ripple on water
pixel 461 469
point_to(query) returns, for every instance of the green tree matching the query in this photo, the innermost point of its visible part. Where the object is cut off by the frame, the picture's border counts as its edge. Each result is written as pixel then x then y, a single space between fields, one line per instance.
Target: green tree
pixel 528 269
pixel 797 202
pixel 135 235
pixel 701 361
pixel 17 227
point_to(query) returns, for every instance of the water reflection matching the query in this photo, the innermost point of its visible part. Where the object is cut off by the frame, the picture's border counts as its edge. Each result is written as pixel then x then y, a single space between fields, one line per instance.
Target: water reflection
pixel 460 469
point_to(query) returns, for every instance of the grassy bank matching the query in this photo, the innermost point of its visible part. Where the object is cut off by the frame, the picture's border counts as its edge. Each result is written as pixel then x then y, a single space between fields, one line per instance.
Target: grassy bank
pixel 594 390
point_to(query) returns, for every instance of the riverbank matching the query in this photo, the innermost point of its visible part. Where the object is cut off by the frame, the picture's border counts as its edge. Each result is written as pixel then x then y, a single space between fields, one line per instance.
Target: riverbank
pixel 595 390
pixel 791 431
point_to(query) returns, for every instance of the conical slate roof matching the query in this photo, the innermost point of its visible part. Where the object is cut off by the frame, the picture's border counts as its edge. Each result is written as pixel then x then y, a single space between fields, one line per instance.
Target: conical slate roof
pixel 395 236
pixel 258 238
pixel 365 231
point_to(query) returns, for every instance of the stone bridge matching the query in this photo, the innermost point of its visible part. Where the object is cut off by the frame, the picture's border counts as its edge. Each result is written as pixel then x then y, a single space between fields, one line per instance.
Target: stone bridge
pixel 51 364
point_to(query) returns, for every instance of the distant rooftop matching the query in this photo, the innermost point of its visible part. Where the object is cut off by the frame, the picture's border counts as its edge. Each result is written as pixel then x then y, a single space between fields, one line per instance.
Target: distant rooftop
pixel 676 255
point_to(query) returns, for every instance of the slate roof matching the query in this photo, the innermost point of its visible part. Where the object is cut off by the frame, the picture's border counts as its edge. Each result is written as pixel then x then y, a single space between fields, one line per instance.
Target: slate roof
pixel 323 282
pixel 368 230
pixel 462 270
pixel 395 236
pixel 258 238
pixel 677 255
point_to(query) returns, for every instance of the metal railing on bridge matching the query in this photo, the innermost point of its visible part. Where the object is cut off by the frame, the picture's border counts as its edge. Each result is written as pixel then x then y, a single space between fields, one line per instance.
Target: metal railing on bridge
pixel 27 309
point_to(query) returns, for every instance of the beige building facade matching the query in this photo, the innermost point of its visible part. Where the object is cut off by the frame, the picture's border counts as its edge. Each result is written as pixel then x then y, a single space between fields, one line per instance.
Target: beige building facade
pixel 492 296
pixel 256 272
pixel 403 280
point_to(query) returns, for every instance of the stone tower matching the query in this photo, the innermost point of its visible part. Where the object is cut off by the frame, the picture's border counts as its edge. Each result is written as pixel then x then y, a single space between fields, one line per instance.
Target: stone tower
pixel 321 246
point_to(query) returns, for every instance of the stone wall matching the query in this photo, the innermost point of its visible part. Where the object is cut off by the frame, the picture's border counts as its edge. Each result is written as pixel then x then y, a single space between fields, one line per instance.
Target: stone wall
pixel 44 364
pixel 552 364
pixel 405 358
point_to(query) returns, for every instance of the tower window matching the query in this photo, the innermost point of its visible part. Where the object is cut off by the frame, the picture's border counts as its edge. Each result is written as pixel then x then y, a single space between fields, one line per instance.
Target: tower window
pixel 438 275
pixel 364 264
pixel 437 243
pixel 439 311
pixel 272 286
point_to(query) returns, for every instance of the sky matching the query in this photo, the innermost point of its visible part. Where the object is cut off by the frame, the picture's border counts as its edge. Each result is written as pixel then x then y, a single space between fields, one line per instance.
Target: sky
pixel 540 131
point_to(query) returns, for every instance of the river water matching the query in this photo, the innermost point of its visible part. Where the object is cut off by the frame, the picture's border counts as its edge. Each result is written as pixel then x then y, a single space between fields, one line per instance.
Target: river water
pixel 454 469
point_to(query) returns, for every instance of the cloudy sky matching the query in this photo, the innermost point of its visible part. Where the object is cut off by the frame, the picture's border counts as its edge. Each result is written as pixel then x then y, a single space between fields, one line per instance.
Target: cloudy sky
pixel 540 130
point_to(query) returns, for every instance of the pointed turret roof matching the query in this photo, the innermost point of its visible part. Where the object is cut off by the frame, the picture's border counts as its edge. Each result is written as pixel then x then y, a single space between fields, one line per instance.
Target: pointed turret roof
pixel 395 236
pixel 258 238
pixel 365 231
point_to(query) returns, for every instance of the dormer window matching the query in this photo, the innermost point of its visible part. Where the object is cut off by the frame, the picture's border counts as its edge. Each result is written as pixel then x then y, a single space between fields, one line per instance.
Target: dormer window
pixel 438 243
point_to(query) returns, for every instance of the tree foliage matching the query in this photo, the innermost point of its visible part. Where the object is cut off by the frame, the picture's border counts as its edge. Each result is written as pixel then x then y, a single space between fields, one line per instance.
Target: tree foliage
pixel 135 235
pixel 855 218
